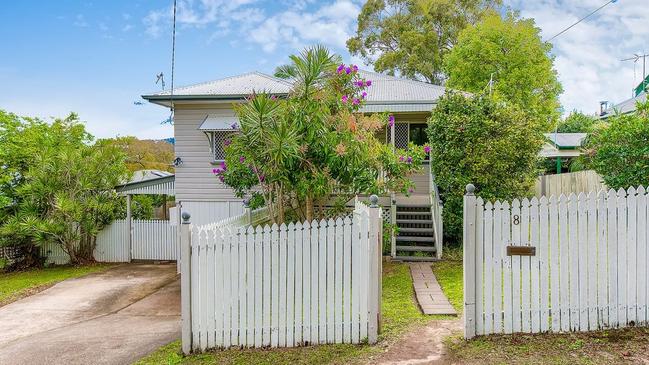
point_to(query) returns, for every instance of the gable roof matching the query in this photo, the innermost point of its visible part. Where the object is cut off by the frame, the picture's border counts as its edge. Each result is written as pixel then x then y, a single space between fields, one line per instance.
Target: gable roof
pixel 233 87
pixel 387 93
pixel 566 140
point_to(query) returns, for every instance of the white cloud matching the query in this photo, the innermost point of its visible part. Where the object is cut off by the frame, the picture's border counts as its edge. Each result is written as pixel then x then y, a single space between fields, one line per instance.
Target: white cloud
pixel 331 24
pixel 194 14
pixel 588 55
pixel 80 21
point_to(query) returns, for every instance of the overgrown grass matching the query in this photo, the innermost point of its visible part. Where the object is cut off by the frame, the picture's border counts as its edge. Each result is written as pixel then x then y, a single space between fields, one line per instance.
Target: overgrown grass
pixel 16 285
pixel 624 346
pixel 399 313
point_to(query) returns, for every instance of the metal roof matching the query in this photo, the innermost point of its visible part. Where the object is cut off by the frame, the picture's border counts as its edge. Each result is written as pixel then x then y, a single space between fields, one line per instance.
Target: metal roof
pixel 387 93
pixel 149 182
pixel 566 140
pixel 230 87
pixel 218 123
pixel 627 106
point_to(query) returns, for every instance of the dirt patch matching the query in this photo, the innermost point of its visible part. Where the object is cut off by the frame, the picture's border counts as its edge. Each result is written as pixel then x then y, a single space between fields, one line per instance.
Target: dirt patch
pixel 421 345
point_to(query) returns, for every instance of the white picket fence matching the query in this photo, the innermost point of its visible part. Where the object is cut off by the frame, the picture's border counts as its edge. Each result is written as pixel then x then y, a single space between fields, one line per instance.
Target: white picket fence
pixel 589 270
pixel 151 240
pixel 292 285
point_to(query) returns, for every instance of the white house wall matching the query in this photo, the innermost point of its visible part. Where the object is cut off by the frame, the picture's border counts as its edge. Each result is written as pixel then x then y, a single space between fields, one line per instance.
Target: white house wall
pixel 204 212
pixel 194 178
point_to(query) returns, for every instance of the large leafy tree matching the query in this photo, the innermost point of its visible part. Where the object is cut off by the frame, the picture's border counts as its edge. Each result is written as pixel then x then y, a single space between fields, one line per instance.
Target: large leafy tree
pixel 578 122
pixel 504 55
pixel 412 37
pixel 144 153
pixel 485 142
pixel 619 150
pixel 61 185
pixel 293 153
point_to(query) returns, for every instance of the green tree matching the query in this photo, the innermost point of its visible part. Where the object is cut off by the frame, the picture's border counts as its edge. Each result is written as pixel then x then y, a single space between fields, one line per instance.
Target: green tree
pixel 619 151
pixel 412 37
pixel 64 193
pixel 485 142
pixel 144 154
pixel 298 150
pixel 505 55
pixel 578 122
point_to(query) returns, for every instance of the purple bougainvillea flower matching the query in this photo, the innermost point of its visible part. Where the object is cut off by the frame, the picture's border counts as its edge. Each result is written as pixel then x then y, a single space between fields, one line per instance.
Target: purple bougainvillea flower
pixel 223 165
pixel 411 190
pixel 273 97
pixel 427 149
pixel 348 70
pixel 227 142
pixel 368 83
pixel 356 102
pixel 262 178
pixel 363 95
pixel 401 158
pixel 340 69
pixel 391 121
pixel 242 159
pixel 354 68
pixel 344 98
pixel 409 159
pixel 215 171
pixel 221 178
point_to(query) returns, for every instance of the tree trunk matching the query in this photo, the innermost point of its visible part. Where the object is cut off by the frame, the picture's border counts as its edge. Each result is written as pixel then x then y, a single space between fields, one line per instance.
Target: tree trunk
pixel 309 207
pixel 280 205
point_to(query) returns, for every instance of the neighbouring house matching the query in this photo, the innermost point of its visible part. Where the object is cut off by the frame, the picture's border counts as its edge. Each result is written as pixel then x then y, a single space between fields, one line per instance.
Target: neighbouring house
pixel 562 147
pixel 628 106
pixel 204 116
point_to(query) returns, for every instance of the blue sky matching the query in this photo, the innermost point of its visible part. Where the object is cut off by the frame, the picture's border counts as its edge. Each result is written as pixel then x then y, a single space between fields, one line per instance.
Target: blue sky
pixel 97 58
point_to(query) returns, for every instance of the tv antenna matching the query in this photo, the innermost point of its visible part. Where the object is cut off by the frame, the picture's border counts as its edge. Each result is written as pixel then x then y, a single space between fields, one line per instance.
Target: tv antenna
pixel 636 57
pixel 160 78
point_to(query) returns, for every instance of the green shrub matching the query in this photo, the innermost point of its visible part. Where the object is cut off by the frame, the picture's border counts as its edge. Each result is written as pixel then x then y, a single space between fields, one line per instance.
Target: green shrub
pixel 475 139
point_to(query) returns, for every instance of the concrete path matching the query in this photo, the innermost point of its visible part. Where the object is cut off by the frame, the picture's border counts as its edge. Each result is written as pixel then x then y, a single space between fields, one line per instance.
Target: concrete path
pixel 114 317
pixel 429 294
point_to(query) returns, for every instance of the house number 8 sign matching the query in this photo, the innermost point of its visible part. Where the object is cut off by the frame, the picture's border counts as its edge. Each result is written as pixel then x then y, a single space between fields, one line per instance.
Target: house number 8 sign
pixel 516 219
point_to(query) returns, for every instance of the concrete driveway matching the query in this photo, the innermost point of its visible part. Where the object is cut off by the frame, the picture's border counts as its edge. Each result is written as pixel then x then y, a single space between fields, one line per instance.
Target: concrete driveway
pixel 114 317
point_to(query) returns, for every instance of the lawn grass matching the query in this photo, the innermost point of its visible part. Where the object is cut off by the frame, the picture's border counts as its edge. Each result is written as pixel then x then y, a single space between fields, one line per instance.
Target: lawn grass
pixel 16 285
pixel 449 275
pixel 622 346
pixel 399 313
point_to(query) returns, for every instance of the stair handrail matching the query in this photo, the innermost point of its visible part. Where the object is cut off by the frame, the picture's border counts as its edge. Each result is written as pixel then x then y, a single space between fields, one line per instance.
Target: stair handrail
pixel 435 211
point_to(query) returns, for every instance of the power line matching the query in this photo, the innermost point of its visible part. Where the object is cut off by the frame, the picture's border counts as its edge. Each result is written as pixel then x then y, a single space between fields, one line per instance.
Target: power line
pixel 582 19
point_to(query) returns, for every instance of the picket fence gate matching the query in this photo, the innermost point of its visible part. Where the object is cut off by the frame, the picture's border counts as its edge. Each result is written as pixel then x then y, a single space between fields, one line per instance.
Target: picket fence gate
pixel 572 263
pixel 282 286
pixel 150 240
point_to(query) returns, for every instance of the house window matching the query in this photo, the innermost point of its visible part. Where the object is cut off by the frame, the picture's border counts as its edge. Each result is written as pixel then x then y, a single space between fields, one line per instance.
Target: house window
pixel 418 134
pixel 218 141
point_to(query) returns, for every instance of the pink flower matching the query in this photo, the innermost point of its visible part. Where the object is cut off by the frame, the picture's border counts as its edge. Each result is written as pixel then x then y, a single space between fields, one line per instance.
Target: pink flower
pixel 409 160
pixel 356 102
pixel 368 83
pixel 340 69
pixel 411 190
pixel 273 97
pixel 348 70
pixel 363 95
pixel 344 99
pixel 227 142
pixel 355 68
pixel 262 178
pixel 427 149
pixel 391 121
pixel 401 158
pixel 241 159
pixel 216 171
pixel 223 165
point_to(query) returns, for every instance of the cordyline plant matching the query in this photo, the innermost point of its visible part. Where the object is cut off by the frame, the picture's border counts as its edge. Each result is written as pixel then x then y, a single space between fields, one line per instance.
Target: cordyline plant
pixel 313 147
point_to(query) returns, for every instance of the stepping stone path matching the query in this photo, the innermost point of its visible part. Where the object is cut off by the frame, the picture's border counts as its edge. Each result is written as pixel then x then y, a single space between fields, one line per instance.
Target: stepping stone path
pixel 429 294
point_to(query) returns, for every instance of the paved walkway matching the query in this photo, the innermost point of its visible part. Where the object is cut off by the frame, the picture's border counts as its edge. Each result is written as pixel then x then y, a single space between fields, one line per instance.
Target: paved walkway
pixel 429 294
pixel 114 317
